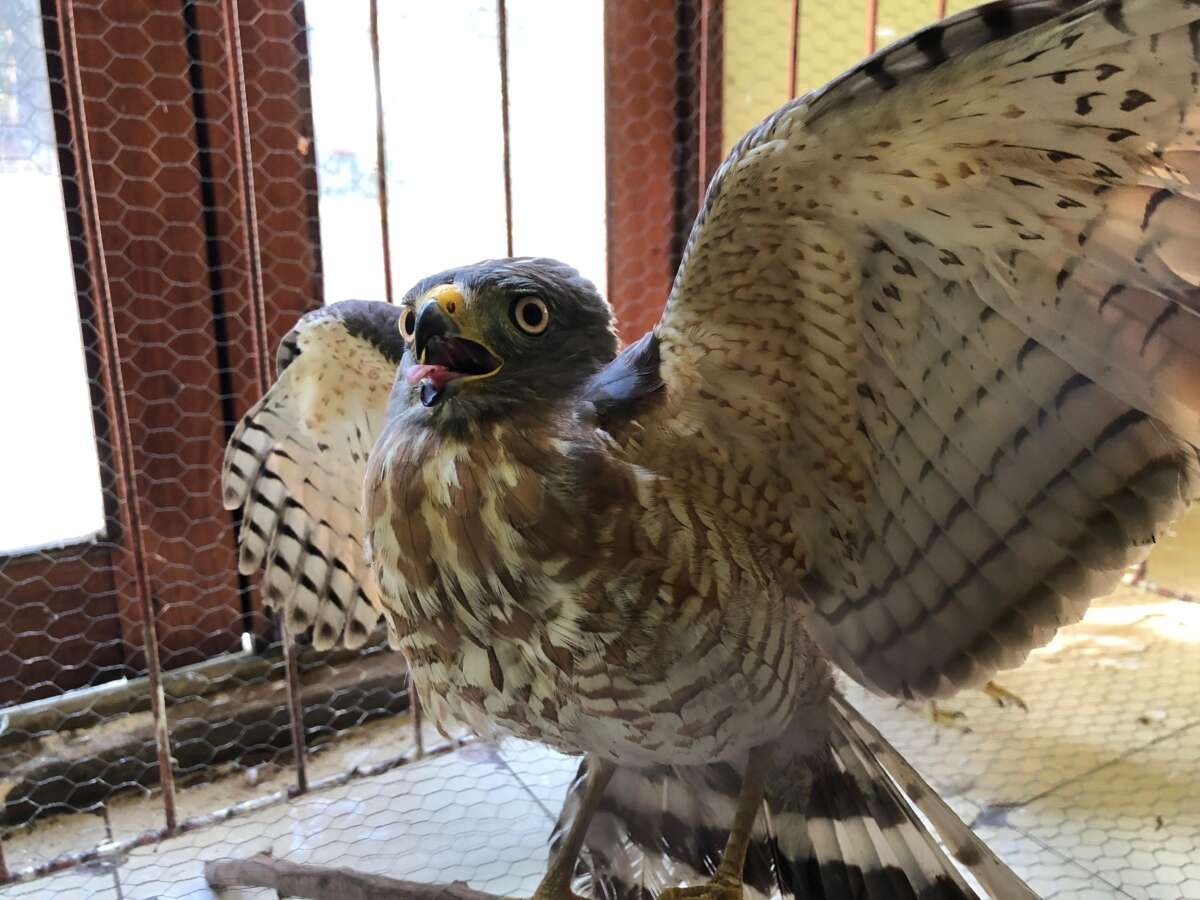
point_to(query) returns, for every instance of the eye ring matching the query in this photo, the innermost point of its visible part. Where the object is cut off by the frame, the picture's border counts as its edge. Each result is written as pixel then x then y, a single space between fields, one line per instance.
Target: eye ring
pixel 408 324
pixel 531 315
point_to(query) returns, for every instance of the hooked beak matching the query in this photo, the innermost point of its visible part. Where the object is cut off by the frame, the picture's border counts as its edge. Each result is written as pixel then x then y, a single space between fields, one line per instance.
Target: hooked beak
pixel 446 359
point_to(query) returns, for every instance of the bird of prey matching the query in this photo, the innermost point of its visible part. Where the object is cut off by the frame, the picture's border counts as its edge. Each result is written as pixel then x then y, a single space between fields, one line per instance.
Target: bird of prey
pixel 926 382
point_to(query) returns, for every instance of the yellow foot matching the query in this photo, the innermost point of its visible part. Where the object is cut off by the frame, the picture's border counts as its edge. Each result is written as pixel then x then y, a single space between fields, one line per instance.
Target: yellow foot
pixel 1003 696
pixel 717 889
pixel 947 718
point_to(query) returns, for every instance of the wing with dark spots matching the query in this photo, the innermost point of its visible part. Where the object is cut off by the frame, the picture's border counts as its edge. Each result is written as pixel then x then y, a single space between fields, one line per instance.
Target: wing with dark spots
pixel 295 468
pixel 938 329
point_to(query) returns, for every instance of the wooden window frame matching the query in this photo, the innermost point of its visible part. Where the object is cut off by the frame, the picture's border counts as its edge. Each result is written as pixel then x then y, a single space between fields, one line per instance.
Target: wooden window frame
pixel 212 139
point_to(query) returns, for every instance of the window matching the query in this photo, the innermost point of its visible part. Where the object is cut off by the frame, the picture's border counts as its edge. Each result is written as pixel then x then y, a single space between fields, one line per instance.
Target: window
pixel 49 471
pixel 440 78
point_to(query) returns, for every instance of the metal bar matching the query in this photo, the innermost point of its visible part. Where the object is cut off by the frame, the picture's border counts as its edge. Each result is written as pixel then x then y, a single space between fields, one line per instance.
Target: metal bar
pixel 414 704
pixel 118 849
pixel 872 22
pixel 253 248
pixel 125 481
pixel 295 705
pixel 4 876
pixel 941 9
pixel 244 162
pixel 702 148
pixel 502 40
pixel 1161 590
pixel 794 50
pixel 381 154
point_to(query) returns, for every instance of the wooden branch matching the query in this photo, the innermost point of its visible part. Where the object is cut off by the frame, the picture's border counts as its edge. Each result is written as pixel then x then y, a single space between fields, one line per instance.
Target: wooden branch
pixel 323 883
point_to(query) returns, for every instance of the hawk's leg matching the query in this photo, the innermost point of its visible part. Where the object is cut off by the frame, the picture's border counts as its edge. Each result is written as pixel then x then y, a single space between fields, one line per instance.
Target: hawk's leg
pixel 950 718
pixel 556 883
pixel 1003 696
pixel 727 883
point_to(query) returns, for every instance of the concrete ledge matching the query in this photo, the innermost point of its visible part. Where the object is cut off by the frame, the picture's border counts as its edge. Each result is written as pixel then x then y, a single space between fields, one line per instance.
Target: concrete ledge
pixel 229 720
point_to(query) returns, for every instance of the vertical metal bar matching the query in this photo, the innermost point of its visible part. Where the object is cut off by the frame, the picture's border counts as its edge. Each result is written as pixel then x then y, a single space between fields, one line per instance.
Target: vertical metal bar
pixel 244 163
pixel 291 672
pixel 872 22
pixel 253 248
pixel 502 39
pixel 129 502
pixel 941 9
pixel 414 704
pixel 794 50
pixel 702 148
pixel 4 876
pixel 381 154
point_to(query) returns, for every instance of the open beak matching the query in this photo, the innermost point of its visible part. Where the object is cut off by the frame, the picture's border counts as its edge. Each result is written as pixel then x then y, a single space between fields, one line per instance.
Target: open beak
pixel 446 359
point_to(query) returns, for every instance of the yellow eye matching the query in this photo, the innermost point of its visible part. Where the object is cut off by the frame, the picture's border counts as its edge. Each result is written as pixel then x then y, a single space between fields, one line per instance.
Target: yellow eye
pixel 531 315
pixel 408 323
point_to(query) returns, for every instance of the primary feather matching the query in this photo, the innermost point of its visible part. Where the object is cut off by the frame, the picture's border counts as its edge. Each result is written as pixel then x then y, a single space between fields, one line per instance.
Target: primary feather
pixel 295 468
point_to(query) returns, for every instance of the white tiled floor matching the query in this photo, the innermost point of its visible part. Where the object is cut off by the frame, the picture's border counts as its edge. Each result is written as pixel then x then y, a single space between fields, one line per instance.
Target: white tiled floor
pixel 1092 793
pixel 466 816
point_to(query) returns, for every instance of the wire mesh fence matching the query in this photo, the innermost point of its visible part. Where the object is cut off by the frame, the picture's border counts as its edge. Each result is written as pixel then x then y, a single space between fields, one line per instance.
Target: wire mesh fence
pixel 179 183
pixel 162 157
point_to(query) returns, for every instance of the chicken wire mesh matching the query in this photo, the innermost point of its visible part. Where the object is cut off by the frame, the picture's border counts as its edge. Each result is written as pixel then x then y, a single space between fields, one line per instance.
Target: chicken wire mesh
pixel 182 181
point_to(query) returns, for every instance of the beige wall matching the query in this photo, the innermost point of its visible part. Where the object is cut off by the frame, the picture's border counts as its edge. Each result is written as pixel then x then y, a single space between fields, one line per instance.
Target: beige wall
pixel 832 38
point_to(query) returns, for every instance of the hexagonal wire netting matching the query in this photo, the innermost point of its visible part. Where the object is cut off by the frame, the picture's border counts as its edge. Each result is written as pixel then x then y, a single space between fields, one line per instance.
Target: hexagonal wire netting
pixel 180 181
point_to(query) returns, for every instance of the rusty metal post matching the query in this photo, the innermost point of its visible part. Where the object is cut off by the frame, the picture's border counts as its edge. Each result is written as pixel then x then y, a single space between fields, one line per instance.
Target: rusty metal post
pixel 502 39
pixel 794 50
pixel 872 23
pixel 128 501
pixel 414 704
pixel 941 9
pixel 295 704
pixel 253 249
pixel 702 149
pixel 381 153
pixel 244 163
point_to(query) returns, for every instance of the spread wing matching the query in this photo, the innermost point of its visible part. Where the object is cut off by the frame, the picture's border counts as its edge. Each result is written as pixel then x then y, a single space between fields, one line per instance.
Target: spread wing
pixel 295 467
pixel 935 338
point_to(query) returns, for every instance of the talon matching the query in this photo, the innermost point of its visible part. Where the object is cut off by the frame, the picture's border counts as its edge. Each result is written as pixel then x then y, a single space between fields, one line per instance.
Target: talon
pixel 1003 696
pixel 947 718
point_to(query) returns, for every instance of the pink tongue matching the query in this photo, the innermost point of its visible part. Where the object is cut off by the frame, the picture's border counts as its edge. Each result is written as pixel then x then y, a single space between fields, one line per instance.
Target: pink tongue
pixel 439 376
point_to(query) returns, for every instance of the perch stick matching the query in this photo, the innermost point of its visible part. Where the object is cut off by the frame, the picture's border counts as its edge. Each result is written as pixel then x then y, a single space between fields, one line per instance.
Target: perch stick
pixel 290 879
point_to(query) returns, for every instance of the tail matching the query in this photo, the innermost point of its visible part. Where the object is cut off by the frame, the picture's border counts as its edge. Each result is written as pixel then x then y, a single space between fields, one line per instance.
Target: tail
pixel 841 824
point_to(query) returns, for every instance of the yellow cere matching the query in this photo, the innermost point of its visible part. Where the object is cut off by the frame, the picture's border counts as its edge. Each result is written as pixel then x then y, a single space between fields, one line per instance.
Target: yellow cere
pixel 449 298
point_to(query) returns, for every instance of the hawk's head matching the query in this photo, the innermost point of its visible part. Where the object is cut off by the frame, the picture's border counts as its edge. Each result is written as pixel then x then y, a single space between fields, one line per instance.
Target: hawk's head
pixel 500 335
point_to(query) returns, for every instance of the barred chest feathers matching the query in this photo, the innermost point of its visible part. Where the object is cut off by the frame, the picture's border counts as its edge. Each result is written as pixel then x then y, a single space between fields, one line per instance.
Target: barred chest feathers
pixel 541 586
pixel 486 555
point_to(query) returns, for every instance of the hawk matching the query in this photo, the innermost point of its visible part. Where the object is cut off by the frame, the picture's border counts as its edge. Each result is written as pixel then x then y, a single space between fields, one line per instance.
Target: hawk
pixel 927 381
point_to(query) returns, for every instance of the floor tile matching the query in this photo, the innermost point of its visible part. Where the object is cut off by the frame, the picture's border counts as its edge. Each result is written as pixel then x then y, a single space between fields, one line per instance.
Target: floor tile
pixel 546 773
pixel 1135 822
pixel 1047 871
pixel 457 817
pixel 77 884
pixel 1126 675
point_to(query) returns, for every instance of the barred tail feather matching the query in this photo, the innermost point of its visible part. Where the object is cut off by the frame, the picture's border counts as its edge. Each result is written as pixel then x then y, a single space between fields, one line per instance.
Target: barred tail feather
pixel 843 823
pixel 997 878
